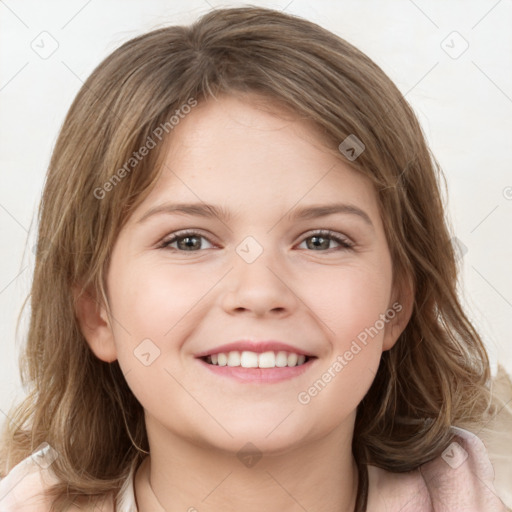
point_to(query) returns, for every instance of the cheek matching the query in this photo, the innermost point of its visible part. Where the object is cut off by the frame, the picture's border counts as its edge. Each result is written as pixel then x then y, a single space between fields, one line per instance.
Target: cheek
pixel 151 299
pixel 351 299
pixel 149 304
pixel 152 305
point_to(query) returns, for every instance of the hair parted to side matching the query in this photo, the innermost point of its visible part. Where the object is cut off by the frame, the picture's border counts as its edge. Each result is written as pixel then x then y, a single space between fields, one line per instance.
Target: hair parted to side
pixel 435 376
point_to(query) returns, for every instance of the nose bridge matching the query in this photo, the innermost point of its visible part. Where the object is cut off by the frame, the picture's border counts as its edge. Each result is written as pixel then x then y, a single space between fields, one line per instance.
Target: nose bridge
pixel 258 280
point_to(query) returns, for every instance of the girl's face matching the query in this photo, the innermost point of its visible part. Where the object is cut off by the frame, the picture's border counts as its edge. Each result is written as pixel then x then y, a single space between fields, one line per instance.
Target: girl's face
pixel 258 269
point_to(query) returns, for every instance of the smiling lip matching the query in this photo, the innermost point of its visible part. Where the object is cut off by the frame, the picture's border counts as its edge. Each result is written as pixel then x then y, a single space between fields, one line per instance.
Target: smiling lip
pixel 259 375
pixel 254 346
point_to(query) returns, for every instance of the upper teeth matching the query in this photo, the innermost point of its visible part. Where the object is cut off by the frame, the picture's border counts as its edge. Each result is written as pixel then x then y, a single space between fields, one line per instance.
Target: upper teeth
pixel 248 359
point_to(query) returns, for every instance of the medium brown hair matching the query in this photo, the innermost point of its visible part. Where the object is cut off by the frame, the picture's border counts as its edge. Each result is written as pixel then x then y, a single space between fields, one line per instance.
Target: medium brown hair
pixel 437 373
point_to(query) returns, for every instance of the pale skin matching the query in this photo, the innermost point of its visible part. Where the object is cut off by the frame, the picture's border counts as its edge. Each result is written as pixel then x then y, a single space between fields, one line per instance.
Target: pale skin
pixel 261 168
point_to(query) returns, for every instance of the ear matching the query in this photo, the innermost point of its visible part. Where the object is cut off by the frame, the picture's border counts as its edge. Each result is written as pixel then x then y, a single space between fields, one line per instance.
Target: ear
pixel 402 305
pixel 95 324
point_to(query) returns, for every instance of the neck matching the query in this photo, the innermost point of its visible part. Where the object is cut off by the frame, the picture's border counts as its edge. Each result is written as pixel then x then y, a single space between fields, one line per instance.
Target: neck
pixel 180 475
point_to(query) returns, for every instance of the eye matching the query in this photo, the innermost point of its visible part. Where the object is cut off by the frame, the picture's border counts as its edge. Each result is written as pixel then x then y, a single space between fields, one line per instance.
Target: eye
pixel 190 241
pixel 321 240
pixel 187 241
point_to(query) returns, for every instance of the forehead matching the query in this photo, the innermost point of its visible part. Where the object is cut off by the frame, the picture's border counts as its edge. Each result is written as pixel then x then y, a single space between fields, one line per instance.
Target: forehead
pixel 249 152
pixel 240 114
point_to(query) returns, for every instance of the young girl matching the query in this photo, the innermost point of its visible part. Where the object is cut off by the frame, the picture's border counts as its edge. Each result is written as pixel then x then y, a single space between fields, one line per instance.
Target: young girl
pixel 245 291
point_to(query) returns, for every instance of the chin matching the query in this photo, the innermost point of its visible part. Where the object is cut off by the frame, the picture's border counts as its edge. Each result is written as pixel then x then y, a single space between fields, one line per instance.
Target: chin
pixel 272 438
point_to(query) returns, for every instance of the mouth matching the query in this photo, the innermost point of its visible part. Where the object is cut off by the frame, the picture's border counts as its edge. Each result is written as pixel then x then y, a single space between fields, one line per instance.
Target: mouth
pixel 263 360
pixel 257 368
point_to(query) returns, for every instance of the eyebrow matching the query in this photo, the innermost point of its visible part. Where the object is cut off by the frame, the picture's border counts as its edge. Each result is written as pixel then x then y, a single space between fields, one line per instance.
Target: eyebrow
pixel 209 210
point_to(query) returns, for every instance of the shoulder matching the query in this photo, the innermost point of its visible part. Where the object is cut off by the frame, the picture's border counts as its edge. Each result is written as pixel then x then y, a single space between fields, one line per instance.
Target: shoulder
pixel 460 479
pixel 23 488
pixel 463 475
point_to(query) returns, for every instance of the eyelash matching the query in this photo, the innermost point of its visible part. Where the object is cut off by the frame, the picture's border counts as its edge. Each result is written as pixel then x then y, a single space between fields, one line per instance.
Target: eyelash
pixel 325 233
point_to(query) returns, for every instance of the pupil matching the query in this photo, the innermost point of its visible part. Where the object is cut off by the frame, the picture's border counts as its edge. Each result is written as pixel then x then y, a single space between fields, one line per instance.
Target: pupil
pixel 187 243
pixel 316 245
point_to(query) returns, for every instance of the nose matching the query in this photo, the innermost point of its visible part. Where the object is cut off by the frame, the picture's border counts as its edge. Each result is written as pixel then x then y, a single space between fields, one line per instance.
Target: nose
pixel 259 288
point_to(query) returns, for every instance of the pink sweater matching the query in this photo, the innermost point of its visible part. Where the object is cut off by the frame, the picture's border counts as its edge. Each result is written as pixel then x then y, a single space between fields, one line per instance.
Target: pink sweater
pixel 460 480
